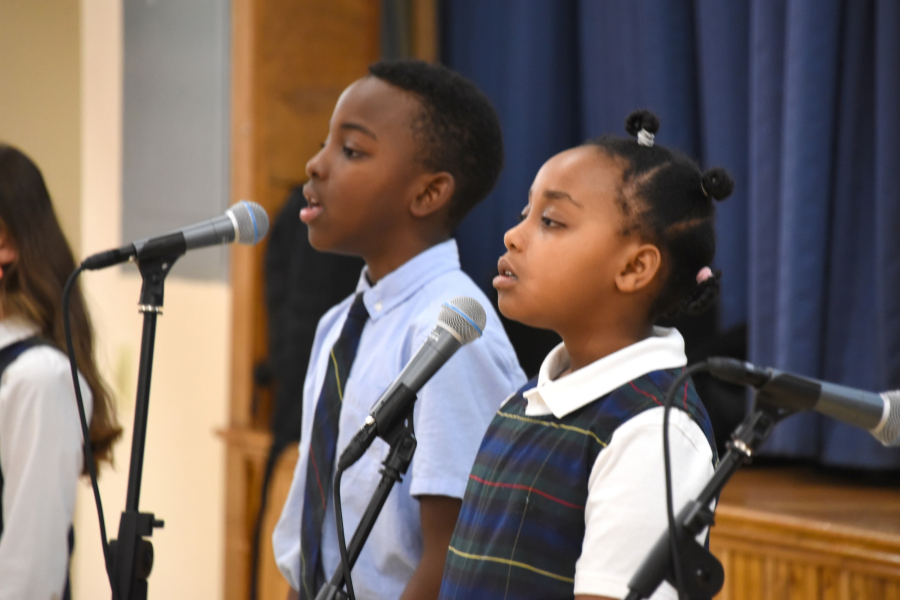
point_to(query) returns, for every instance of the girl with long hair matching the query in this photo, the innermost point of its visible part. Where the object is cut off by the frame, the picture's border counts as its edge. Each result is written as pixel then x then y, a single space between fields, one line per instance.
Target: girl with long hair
pixel 41 452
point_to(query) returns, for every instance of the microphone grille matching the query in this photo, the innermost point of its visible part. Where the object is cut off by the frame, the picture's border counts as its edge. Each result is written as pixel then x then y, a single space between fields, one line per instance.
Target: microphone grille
pixel 464 316
pixel 889 434
pixel 252 220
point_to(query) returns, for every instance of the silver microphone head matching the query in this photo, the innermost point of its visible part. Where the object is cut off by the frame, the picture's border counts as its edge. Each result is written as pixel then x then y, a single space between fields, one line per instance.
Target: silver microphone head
pixel 888 431
pixel 251 221
pixel 463 317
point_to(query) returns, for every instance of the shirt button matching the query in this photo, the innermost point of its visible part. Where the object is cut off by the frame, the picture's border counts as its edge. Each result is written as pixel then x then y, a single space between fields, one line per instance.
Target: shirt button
pixel 377 306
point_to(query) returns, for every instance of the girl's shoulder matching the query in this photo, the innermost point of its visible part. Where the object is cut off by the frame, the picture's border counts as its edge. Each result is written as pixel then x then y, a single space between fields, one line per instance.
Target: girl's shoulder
pixel 35 363
pixel 636 396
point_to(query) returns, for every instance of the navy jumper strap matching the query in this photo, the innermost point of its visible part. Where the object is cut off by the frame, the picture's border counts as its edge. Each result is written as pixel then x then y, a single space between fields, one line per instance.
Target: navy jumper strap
pixel 7 355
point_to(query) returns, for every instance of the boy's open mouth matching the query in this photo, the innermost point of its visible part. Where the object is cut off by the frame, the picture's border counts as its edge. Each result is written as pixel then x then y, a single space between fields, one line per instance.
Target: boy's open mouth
pixel 311 211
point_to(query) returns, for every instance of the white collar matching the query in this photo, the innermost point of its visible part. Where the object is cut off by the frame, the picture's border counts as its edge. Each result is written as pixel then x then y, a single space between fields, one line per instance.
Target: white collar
pixel 397 286
pixel 16 328
pixel 663 350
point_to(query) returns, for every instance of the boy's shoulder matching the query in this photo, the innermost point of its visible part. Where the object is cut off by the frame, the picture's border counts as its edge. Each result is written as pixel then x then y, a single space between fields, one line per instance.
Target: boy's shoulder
pixel 493 346
pixel 449 285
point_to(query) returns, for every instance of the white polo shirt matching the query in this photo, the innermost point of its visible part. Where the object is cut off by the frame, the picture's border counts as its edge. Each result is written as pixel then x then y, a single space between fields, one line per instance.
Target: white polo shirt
pixel 41 460
pixel 626 507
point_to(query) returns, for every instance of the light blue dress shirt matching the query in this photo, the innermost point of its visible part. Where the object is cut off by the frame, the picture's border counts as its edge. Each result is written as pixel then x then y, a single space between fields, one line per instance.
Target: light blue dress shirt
pixel 451 415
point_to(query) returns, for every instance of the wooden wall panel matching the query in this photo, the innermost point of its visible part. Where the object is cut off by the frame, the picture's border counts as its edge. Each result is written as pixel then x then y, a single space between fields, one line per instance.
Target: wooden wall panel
pixel 291 59
pixel 272 583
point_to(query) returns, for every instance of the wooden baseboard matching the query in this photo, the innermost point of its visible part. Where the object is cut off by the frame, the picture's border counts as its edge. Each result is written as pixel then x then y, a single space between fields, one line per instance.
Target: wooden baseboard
pixel 791 533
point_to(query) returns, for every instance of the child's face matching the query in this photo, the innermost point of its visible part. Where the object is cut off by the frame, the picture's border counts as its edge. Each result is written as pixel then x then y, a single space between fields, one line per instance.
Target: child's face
pixel 362 178
pixel 563 258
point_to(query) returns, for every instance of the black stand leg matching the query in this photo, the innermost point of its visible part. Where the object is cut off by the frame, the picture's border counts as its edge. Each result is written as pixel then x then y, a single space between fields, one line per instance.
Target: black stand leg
pixel 702 573
pixel 131 553
pixel 402 441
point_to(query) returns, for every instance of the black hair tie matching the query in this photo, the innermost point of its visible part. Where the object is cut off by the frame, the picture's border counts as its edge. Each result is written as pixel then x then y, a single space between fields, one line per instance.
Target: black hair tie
pixel 716 183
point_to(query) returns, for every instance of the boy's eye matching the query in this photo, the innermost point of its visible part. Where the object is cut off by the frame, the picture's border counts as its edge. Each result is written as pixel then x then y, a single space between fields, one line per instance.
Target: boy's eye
pixel 351 153
pixel 523 215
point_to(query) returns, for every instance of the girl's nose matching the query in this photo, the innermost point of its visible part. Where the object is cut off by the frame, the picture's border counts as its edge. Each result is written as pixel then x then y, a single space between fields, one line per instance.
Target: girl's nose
pixel 315 166
pixel 513 238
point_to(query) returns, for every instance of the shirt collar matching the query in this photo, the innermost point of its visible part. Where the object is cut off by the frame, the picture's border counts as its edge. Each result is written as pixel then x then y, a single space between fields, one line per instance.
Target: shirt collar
pixel 14 329
pixel 401 283
pixel 662 350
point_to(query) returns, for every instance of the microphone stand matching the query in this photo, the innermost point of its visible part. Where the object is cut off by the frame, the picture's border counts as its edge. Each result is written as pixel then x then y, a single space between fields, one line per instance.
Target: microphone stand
pixel 402 440
pixel 701 573
pixel 132 554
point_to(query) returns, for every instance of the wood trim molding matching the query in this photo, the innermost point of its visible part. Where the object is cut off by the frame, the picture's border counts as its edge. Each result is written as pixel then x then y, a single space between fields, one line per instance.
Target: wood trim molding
pixel 425 37
pixel 290 61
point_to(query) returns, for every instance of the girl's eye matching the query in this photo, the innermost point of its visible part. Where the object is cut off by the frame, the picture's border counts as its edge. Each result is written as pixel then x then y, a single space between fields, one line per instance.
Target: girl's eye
pixel 351 153
pixel 322 145
pixel 523 215
pixel 550 223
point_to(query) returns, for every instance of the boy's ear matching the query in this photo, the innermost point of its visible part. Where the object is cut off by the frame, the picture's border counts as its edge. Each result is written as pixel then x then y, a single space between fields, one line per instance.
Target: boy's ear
pixel 641 267
pixel 434 195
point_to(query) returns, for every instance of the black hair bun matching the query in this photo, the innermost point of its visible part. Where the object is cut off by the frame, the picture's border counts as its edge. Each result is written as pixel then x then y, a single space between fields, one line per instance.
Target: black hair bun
pixel 717 183
pixel 704 295
pixel 641 119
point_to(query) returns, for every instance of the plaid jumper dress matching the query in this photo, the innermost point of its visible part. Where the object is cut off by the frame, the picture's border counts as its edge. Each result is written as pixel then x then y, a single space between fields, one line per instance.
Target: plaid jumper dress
pixel 521 527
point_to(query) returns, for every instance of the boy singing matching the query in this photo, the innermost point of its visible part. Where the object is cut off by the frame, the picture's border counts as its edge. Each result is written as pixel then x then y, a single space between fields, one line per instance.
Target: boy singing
pixel 411 149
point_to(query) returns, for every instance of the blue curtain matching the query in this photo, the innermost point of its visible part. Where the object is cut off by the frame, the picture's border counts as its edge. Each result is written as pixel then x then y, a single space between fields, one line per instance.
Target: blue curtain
pixel 798 99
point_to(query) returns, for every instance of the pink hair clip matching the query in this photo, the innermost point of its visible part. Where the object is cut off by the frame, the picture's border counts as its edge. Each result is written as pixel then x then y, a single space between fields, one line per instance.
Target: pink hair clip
pixel 704 274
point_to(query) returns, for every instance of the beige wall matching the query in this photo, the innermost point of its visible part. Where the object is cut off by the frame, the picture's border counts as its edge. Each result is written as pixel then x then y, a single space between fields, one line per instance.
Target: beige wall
pixel 40 99
pixel 183 479
pixel 61 101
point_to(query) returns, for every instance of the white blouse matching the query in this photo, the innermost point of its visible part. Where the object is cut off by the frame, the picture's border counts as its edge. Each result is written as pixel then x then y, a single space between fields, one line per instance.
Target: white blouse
pixel 41 460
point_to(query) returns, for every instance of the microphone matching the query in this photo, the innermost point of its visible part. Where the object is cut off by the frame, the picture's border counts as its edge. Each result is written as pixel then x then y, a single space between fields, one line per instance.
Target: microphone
pixel 245 222
pixel 460 321
pixel 878 413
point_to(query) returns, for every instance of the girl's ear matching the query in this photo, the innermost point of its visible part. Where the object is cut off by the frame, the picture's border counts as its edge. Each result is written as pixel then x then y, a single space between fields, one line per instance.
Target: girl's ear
pixel 436 193
pixel 642 266
pixel 8 253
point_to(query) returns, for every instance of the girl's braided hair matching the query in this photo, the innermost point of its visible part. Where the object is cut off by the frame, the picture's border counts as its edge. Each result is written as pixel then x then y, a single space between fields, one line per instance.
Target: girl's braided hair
pixel 666 199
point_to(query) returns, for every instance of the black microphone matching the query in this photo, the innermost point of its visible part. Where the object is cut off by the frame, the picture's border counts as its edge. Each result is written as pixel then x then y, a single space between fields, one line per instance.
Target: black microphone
pixel 878 413
pixel 245 222
pixel 461 321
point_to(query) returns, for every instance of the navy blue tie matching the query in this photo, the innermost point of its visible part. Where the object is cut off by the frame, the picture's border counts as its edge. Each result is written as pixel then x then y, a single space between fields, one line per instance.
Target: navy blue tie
pixel 323 447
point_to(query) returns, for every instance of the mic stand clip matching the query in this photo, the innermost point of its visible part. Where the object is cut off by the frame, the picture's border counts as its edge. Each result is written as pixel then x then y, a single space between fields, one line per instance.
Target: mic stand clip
pixel 402 441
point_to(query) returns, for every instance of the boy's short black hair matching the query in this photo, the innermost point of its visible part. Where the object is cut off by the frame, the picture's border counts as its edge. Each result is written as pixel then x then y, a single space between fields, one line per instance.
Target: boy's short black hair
pixel 458 129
